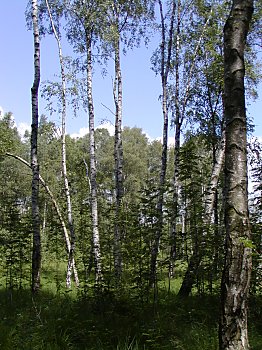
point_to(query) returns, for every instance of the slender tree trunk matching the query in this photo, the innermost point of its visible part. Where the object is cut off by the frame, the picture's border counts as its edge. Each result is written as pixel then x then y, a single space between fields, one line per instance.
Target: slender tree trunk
pixel 64 167
pixel 173 227
pixel 233 333
pixel 118 155
pixel 178 124
pixel 216 241
pixel 212 188
pixel 166 52
pixel 58 211
pixel 94 210
pixel 36 255
pixel 44 218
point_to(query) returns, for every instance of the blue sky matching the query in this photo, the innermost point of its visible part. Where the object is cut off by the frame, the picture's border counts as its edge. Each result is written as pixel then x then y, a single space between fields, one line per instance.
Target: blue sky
pixel 141 87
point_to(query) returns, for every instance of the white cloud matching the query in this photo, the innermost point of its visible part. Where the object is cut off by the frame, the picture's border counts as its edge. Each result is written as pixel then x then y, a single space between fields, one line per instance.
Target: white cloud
pixel 82 132
pixel 255 139
pixel 22 127
pixel 170 141
pixel 108 126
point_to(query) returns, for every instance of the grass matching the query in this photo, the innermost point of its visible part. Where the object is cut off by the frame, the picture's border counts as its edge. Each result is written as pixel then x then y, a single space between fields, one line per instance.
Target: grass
pixel 59 319
pixel 66 321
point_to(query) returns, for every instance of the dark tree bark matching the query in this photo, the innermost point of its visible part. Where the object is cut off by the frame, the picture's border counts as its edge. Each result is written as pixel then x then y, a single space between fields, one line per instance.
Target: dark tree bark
pixel 36 254
pixel 178 120
pixel 166 52
pixel 233 333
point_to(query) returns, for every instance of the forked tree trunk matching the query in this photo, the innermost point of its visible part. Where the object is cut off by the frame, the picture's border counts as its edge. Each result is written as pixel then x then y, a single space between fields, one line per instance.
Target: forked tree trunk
pixel 178 123
pixel 94 210
pixel 64 167
pixel 166 52
pixel 36 254
pixel 233 334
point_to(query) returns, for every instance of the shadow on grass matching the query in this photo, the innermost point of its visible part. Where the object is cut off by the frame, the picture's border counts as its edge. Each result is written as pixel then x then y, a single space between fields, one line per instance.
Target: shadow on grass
pixel 66 321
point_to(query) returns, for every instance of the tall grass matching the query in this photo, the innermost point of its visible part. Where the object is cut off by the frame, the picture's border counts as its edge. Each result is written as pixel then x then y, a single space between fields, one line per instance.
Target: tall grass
pixel 70 320
pixel 63 321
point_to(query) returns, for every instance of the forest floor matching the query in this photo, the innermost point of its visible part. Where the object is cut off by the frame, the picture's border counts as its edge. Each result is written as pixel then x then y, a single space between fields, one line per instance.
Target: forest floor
pixel 66 320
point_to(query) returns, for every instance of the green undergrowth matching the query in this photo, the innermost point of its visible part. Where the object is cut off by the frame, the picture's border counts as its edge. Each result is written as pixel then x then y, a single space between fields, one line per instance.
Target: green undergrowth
pixel 68 320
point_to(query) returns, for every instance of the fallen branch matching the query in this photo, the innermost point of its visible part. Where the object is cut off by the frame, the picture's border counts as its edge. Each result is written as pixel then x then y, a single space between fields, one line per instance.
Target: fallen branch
pixel 48 191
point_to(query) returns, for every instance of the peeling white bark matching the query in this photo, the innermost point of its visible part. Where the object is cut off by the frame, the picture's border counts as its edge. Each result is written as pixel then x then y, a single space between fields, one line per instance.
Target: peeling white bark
pixel 36 254
pixel 233 332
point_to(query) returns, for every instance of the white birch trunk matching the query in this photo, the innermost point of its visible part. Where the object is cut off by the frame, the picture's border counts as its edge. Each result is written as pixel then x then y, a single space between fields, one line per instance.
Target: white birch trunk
pixel 64 167
pixel 94 210
pixel 36 254
pixel 233 333
pixel 210 195
pixel 118 155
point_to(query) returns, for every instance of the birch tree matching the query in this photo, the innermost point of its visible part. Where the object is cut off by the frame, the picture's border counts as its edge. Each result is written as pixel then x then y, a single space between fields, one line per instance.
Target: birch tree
pixel 63 143
pixel 85 18
pixel 127 23
pixel 36 255
pixel 233 332
pixel 94 210
pixel 117 26
pixel 178 121
pixel 165 64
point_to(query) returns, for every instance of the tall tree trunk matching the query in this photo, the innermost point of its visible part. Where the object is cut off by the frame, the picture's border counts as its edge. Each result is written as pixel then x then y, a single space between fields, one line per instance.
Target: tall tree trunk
pixel 233 332
pixel 36 255
pixel 94 210
pixel 64 167
pixel 118 155
pixel 166 52
pixel 178 123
